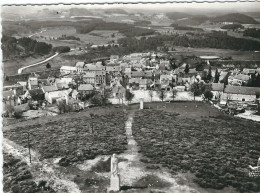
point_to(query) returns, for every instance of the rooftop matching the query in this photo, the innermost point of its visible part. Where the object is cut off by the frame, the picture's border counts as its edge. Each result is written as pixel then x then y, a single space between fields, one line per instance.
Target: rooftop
pixel 217 86
pixel 49 88
pixel 242 90
pixel 84 87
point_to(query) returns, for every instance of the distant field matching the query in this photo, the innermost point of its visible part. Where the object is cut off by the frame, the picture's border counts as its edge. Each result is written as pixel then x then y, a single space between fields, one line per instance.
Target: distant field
pixel 56 62
pixel 11 67
pixel 94 37
pixel 236 55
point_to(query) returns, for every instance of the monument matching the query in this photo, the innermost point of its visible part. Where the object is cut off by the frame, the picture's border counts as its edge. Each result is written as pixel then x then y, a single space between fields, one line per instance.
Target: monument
pixel 141 103
pixel 114 179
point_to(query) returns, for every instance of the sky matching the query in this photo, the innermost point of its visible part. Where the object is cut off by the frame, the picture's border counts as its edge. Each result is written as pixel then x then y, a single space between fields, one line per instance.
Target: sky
pixel 217 6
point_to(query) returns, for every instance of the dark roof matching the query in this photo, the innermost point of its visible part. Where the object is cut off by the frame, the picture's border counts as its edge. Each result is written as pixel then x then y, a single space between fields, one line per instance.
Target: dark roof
pixel 136 74
pixel 34 92
pixel 242 90
pixel 217 86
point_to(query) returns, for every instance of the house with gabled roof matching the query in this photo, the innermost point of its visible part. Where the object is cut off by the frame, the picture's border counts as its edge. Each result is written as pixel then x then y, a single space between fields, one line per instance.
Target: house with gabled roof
pixel 85 89
pixel 241 93
pixel 33 83
pixel 50 88
pixel 80 66
pixel 217 90
pixel 68 70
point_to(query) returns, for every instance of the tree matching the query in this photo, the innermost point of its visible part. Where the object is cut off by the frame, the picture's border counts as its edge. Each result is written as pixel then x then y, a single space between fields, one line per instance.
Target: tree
pixel 48 65
pixel 208 95
pixel 198 88
pixel 151 94
pixel 161 94
pixel 174 94
pixel 61 106
pixel 217 75
pixel 187 69
pixel 209 75
pixel 129 96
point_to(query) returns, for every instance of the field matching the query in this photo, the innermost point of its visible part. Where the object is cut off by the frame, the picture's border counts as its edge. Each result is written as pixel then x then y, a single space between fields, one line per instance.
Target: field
pixel 20 178
pixel 74 140
pixel 236 55
pixel 94 37
pixel 10 67
pixel 215 148
pixel 192 141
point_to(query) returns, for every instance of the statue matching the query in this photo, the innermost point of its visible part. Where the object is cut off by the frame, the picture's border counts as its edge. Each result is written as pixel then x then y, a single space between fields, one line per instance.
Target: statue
pixel 114 179
pixel 114 165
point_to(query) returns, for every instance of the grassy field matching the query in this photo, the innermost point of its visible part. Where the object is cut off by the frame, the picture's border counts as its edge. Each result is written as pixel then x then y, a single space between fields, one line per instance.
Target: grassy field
pixel 236 55
pixel 73 139
pixel 94 37
pixel 19 178
pixel 215 148
pixel 11 67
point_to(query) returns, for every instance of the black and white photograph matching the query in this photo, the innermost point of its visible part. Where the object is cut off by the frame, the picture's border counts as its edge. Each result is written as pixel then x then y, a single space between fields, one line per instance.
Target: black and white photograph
pixel 130 97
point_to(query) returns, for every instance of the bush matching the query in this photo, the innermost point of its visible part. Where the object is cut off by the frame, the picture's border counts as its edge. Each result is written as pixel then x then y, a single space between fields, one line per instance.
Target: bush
pixel 61 49
pixel 18 115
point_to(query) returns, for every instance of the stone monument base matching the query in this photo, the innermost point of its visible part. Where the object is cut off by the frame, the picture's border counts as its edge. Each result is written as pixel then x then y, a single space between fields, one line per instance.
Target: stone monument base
pixel 114 183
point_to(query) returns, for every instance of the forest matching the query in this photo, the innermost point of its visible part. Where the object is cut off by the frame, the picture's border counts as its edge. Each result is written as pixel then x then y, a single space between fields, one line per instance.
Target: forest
pixel 82 27
pixel 255 33
pixel 219 40
pixel 23 46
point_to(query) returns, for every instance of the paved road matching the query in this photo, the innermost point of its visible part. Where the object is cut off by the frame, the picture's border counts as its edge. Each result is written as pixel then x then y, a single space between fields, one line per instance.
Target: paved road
pixel 41 62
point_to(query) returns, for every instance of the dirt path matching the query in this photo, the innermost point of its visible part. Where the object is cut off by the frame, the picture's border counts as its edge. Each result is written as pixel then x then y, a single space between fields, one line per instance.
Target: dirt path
pixel 42 170
pixel 131 169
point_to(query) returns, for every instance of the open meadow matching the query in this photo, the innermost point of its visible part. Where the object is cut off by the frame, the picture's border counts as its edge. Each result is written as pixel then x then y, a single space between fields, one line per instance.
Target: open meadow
pixel 187 137
pixel 192 141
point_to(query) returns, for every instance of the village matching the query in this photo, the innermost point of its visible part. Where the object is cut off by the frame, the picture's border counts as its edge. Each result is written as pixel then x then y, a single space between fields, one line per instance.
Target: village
pixel 131 78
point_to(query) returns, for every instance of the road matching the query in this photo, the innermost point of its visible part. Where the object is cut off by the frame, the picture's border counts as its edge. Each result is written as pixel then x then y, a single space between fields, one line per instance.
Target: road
pixel 36 33
pixel 20 70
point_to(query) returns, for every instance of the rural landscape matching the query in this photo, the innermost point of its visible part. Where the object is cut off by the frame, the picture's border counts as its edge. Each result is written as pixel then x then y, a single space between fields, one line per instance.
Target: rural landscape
pixel 152 98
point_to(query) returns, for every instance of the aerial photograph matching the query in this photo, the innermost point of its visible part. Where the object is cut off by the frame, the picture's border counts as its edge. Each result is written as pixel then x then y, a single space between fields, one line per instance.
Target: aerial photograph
pixel 131 98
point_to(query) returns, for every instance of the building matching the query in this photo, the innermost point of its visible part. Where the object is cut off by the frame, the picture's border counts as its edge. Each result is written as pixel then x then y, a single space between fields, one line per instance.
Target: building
pixel 80 66
pixel 89 77
pixel 217 90
pixel 165 79
pixel 241 93
pixel 51 97
pixel 113 69
pixel 33 83
pixel 85 89
pixel 118 91
pixel 114 58
pixel 238 79
pixel 68 70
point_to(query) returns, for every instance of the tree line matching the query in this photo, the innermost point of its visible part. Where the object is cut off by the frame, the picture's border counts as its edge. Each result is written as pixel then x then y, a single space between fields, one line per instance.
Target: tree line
pixel 255 33
pixel 219 40
pixel 12 46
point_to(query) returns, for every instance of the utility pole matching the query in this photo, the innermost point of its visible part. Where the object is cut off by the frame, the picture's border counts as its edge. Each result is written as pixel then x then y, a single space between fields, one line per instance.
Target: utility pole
pixel 29 146
pixel 91 115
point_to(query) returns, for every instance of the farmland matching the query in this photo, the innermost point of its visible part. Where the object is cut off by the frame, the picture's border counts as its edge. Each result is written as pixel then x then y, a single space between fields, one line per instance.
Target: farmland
pixel 215 148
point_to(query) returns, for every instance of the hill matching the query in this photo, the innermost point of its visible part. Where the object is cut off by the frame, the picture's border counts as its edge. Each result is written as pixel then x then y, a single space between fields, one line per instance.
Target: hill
pixel 234 17
pixel 178 15
pixel 193 21
pixel 188 19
